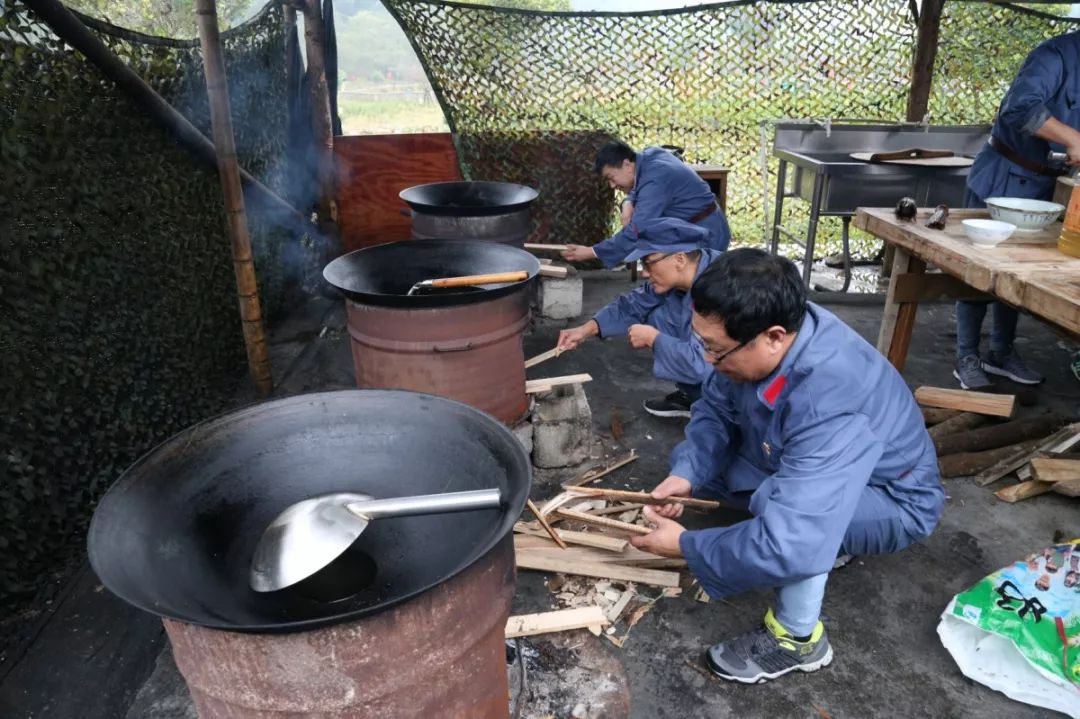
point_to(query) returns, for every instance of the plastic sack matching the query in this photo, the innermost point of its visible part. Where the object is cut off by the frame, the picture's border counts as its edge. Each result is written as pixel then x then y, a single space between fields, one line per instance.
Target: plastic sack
pixel 1018 630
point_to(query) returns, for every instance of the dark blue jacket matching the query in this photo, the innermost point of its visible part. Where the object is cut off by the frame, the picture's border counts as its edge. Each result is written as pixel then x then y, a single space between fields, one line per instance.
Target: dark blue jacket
pixel 834 418
pixel 1048 85
pixel 665 186
pixel 676 355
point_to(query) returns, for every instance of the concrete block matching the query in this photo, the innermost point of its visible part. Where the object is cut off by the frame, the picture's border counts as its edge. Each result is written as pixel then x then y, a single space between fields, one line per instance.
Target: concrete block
pixel 560 299
pixel 524 434
pixel 562 427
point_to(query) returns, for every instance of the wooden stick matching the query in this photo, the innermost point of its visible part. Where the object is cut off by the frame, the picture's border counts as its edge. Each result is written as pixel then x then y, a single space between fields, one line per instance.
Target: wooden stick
pixel 531 246
pixel 933 416
pixel 1018 460
pixel 958 423
pixel 553 271
pixel 997 405
pixel 602 521
pixel 964 464
pixel 543 357
pixel 643 497
pixel 1066 442
pixel 489 279
pixel 584 539
pixel 1069 488
pixel 594 474
pixel 617 509
pixel 528 560
pixel 534 386
pixel 1055 470
pixel 544 523
pixel 998 435
pixel 528 625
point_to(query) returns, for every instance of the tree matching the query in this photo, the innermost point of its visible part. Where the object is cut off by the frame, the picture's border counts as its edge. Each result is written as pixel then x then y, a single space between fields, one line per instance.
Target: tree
pixel 164 18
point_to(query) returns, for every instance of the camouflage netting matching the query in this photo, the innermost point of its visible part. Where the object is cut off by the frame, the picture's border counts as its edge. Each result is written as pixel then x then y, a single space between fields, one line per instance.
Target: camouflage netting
pixel 118 316
pixel 531 95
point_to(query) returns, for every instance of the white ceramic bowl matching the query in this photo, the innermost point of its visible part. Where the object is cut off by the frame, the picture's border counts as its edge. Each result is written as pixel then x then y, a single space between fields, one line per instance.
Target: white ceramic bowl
pixel 987 233
pixel 1027 215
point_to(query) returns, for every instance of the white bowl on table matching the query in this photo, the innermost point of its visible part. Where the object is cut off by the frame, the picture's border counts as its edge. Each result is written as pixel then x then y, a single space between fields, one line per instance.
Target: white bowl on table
pixel 1027 215
pixel 987 233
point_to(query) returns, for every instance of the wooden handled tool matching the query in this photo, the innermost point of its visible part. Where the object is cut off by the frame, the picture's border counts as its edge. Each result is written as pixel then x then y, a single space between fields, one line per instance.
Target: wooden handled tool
pixel 471 280
pixel 532 246
pixel 642 497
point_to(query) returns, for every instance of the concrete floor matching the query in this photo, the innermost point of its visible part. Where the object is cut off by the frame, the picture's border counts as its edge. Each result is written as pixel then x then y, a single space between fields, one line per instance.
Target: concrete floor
pixel 94 656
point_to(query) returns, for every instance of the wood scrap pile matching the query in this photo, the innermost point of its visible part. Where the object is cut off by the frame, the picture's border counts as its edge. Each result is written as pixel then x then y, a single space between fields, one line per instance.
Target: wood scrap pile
pixel 596 566
pixel 972 439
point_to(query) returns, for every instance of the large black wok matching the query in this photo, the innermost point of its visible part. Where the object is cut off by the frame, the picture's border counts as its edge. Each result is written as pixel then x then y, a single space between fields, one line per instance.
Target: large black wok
pixel 468 199
pixel 176 533
pixel 382 275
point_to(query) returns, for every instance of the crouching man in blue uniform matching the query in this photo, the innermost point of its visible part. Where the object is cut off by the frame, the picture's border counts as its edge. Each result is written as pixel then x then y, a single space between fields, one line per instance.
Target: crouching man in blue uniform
pixel 657 184
pixel 812 430
pixel 657 314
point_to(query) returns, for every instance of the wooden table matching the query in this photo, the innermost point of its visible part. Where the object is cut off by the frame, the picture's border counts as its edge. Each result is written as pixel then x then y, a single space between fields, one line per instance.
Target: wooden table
pixel 1026 271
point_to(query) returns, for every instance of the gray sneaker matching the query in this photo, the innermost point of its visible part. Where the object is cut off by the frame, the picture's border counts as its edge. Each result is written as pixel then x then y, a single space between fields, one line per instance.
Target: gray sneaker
pixel 969 370
pixel 1011 366
pixel 767 653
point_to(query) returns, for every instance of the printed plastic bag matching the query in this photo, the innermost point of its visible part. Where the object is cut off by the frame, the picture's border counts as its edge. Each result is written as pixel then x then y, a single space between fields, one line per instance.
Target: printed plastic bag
pixel 1018 630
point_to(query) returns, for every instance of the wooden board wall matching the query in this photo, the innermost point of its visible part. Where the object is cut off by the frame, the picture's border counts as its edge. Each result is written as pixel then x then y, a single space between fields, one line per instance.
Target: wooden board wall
pixel 373 169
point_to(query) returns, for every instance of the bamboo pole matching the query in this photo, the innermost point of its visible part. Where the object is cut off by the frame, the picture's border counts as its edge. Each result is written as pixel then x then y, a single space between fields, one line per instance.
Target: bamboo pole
pixel 922 65
pixel 247 288
pixel 321 123
pixel 71 30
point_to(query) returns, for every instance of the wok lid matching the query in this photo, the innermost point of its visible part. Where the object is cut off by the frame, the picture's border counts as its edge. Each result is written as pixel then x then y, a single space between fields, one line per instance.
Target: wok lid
pixel 468 199
pixel 382 275
pixel 175 534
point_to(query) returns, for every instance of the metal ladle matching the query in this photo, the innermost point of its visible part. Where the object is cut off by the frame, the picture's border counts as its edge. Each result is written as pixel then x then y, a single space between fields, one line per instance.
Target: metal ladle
pixel 311 534
pixel 469 281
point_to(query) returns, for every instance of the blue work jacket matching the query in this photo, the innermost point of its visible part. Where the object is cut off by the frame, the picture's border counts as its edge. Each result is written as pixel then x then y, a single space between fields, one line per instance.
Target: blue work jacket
pixel 665 186
pixel 677 356
pixel 832 419
pixel 1048 85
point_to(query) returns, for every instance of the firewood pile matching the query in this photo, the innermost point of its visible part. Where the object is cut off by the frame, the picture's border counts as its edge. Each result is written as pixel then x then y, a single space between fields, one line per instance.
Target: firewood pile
pixel 975 435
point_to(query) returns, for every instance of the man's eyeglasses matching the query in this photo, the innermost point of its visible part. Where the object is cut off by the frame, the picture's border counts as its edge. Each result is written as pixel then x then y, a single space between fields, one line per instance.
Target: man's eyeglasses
pixel 646 264
pixel 717 357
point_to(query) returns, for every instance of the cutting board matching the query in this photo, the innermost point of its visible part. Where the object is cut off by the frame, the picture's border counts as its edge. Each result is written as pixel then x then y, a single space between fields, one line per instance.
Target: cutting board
pixel 924 162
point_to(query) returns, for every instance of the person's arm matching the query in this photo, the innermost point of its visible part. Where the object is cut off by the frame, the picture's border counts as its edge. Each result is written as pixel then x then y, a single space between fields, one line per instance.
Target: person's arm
pixel 628 309
pixel 1054 130
pixel 650 202
pixel 711 436
pixel 571 337
pixel 1024 106
pixel 805 509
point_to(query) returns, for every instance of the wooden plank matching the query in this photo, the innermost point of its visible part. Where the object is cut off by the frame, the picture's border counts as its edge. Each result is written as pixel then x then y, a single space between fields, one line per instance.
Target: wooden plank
pixel 543 357
pixel 905 321
pixel 373 169
pixel 958 423
pixel 901 262
pixel 594 474
pixel 535 247
pixel 963 464
pixel 1055 470
pixel 1061 444
pixel 584 539
pixel 534 386
pixel 934 416
pixel 1018 460
pixel 620 495
pixel 916 287
pixel 602 521
pixel 542 546
pixel 997 405
pixel 529 625
pixel 553 271
pixel 601 570
pixel 620 604
pixel 1023 490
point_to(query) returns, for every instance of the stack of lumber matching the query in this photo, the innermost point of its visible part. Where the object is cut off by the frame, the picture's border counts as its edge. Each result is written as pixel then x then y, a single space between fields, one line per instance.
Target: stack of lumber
pixel 972 439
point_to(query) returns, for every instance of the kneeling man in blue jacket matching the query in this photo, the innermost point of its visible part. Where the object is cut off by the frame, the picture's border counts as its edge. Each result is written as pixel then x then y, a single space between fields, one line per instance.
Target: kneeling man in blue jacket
pixel 811 429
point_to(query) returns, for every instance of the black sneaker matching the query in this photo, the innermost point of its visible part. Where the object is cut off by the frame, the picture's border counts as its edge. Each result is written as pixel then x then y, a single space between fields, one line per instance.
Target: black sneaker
pixel 676 404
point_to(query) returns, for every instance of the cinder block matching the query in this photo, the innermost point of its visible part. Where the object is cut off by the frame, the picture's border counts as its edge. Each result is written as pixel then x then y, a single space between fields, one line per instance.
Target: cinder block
pixel 560 299
pixel 524 433
pixel 562 427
